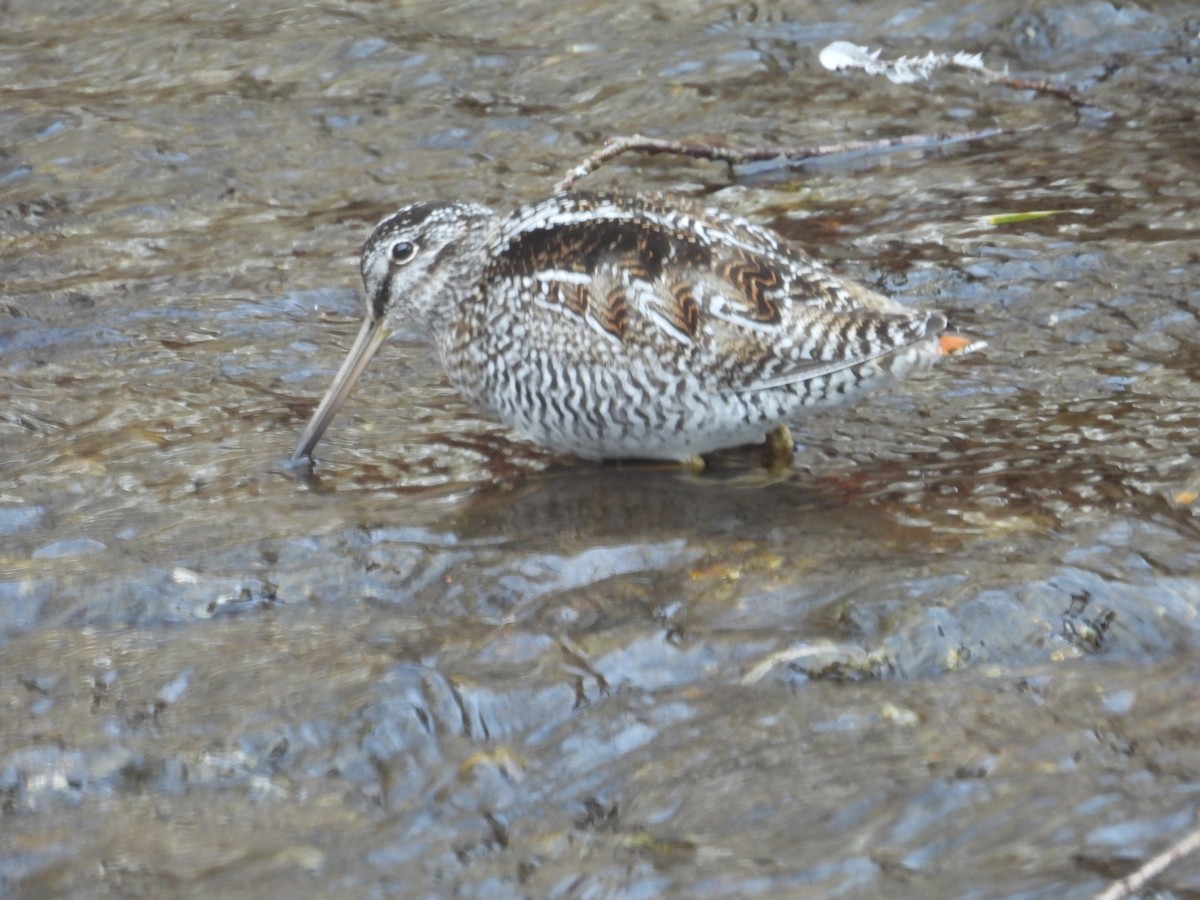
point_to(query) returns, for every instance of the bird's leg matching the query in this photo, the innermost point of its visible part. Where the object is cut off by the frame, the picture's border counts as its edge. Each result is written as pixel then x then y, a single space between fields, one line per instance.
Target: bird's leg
pixel 778 449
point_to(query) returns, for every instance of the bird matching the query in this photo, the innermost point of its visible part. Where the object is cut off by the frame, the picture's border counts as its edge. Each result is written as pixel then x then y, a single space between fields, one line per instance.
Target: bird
pixel 628 326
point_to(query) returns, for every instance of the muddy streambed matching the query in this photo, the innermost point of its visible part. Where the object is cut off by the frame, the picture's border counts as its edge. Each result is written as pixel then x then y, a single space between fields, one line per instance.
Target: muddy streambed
pixel 952 651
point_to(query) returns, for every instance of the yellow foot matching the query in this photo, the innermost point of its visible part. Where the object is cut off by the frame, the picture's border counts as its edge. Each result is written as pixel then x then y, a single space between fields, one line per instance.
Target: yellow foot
pixel 779 448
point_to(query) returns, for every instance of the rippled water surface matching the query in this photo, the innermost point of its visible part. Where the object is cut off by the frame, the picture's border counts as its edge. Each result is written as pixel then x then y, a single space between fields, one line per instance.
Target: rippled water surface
pixel 952 651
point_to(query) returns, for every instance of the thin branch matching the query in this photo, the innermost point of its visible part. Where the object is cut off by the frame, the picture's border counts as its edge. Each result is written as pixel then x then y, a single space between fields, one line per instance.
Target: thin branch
pixel 1185 846
pixel 845 55
pixel 736 156
pixel 1044 87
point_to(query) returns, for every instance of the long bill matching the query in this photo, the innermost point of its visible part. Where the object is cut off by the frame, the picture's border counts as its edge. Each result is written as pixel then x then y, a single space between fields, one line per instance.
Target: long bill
pixel 370 338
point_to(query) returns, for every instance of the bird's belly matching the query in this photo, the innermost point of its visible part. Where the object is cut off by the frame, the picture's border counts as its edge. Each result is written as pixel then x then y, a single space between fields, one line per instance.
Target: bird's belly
pixel 604 413
pixel 646 405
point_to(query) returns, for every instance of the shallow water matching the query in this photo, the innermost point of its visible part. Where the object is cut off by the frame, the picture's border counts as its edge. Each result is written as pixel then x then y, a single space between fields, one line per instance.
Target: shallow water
pixel 951 652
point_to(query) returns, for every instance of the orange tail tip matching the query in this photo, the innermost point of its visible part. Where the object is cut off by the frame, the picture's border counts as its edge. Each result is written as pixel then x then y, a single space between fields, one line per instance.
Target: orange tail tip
pixel 951 344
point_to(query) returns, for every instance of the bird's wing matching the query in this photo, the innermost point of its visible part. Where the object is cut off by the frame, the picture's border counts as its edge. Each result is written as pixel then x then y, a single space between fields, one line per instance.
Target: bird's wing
pixel 745 308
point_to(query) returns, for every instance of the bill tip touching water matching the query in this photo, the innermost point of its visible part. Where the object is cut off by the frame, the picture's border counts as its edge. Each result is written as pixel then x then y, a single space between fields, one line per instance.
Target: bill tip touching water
pixel 614 326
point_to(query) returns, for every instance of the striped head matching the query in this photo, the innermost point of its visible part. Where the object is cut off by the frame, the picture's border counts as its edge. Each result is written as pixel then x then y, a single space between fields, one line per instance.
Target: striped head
pixel 417 266
pixel 419 260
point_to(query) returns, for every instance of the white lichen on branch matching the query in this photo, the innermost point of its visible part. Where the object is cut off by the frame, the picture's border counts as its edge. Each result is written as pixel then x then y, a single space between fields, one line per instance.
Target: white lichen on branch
pixel 841 55
pixel 905 70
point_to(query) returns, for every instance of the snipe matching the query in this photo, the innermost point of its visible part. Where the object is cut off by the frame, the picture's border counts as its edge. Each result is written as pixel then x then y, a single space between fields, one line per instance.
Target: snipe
pixel 625 326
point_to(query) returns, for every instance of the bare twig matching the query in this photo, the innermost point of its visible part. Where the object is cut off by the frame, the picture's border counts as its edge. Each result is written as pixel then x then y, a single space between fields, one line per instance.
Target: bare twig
pixel 1025 84
pixel 735 156
pixel 1185 846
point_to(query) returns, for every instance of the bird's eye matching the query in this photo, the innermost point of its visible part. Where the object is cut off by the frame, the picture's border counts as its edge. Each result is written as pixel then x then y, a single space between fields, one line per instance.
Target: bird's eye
pixel 403 251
